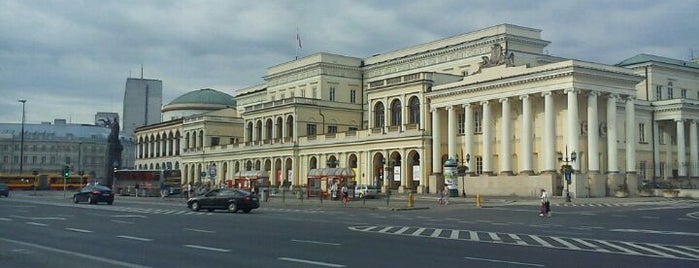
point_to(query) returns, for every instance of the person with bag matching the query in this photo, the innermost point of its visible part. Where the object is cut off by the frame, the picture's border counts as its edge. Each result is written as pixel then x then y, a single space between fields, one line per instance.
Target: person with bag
pixel 545 208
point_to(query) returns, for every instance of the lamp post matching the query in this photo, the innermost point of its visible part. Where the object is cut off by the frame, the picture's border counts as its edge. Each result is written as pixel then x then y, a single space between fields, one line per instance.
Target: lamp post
pixel 21 141
pixel 567 170
pixel 462 170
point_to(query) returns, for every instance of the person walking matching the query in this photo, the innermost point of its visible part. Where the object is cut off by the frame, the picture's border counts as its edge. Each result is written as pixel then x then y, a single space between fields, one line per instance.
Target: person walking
pixel 345 195
pixel 163 189
pixel 545 208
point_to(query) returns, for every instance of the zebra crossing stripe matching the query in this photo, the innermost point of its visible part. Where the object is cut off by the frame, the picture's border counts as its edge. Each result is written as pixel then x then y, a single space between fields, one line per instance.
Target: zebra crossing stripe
pixel 689 248
pixel 622 249
pixel 541 241
pixel 402 230
pixel 494 237
pixel 473 235
pixel 385 229
pixel 565 243
pixel 418 231
pixel 675 251
pixel 436 233
pixel 647 249
pixel 590 245
pixel 517 239
pixel 454 234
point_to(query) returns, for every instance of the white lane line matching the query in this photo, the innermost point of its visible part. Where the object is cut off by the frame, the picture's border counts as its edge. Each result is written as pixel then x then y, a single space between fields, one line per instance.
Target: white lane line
pixel 124 222
pixel 76 254
pixel 326 264
pixel 199 230
pixel 316 242
pixel 36 223
pixel 134 238
pixel 79 230
pixel 504 261
pixel 689 248
pixel 207 248
pixel 128 216
pixel 5 219
pixel 654 232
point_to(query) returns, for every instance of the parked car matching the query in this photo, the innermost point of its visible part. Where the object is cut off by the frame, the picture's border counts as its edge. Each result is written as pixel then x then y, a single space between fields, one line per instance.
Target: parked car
pixel 366 191
pixel 229 199
pixel 4 190
pixel 94 194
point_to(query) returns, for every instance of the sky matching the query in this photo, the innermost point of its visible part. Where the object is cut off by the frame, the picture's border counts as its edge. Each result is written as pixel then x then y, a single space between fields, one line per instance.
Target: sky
pixel 70 59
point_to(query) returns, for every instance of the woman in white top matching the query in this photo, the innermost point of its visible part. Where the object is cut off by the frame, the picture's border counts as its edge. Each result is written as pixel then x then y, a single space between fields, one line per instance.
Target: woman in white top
pixel 545 205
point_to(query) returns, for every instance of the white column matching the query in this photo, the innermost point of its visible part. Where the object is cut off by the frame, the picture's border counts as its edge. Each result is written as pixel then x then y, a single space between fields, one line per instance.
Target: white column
pixel 436 143
pixel 526 140
pixel 295 136
pixel 506 138
pixel 612 156
pixel 404 114
pixel 681 149
pixel 285 130
pixel 656 150
pixel 693 149
pixel 573 128
pixel 667 171
pixel 451 132
pixel 468 133
pixel 254 130
pixel 549 142
pixel 487 138
pixel 592 132
pixel 264 130
pixel 631 129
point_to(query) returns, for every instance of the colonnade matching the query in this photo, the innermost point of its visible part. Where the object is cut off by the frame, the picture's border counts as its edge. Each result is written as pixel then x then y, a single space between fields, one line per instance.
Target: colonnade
pixel 164 145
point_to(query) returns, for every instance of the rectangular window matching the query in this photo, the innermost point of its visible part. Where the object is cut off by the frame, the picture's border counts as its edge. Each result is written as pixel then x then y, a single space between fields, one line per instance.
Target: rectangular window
pixel 461 123
pixel 311 129
pixel 659 92
pixel 478 121
pixel 332 94
pixel 353 129
pixel 353 96
pixel 642 133
pixel 642 169
pixel 314 92
pixel 683 93
pixel 332 129
pixel 669 93
pixel 215 141
pixel 34 160
pixel 661 138
pixel 479 165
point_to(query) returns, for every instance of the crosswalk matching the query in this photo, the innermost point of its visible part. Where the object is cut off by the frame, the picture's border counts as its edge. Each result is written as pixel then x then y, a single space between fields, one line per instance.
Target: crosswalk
pixel 568 243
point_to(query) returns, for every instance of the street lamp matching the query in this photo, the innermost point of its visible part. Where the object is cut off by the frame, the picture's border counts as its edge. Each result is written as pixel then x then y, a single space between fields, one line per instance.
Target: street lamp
pixel 21 141
pixel 461 171
pixel 567 169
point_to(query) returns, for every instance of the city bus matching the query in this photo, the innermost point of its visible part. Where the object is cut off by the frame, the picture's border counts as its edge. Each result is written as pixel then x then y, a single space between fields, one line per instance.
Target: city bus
pixel 147 182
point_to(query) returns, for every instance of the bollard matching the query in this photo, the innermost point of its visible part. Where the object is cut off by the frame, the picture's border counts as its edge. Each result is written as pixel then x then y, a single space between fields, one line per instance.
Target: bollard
pixel 411 200
pixel 478 200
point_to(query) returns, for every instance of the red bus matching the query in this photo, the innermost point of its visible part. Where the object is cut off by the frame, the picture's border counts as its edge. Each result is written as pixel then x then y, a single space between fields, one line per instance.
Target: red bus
pixel 147 181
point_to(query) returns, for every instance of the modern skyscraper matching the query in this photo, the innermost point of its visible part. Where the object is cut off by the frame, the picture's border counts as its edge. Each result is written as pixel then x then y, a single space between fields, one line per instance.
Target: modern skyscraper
pixel 143 99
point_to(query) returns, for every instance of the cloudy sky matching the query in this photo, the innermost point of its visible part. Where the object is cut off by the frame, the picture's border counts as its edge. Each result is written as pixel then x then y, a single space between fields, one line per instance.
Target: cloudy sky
pixel 70 59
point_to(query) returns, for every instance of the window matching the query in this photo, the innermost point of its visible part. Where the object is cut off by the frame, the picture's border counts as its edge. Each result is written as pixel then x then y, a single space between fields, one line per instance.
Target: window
pixel 34 160
pixel 332 94
pixel 642 169
pixel 414 107
pixel 478 121
pixel 642 133
pixel 379 116
pixel 461 122
pixel 669 93
pixel 311 129
pixel 683 93
pixel 332 129
pixel 396 112
pixel 661 138
pixel 215 141
pixel 659 92
pixel 353 129
pixel 479 165
pixel 353 96
pixel 314 92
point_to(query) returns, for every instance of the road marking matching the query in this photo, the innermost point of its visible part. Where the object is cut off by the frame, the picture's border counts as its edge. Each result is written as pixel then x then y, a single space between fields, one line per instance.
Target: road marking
pixel 494 237
pixel 134 238
pixel 5 219
pixel 590 245
pixel 208 248
pixel 565 243
pixel 654 232
pixel 199 230
pixel 676 251
pixel 541 241
pixel 310 262
pixel 79 230
pixel 36 223
pixel 689 248
pixel 473 235
pixel 76 254
pixel 647 249
pixel 38 218
pixel 504 261
pixel 622 249
pixel 454 234
pixel 402 230
pixel 124 222
pixel 436 232
pixel 418 231
pixel 517 239
pixel 128 216
pixel 316 242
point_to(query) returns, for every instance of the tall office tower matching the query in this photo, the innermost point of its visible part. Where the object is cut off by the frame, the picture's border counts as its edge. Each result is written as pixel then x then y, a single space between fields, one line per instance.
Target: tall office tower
pixel 143 99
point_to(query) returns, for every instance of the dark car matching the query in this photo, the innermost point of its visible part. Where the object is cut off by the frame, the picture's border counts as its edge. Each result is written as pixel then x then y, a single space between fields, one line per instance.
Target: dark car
pixel 4 190
pixel 94 194
pixel 229 199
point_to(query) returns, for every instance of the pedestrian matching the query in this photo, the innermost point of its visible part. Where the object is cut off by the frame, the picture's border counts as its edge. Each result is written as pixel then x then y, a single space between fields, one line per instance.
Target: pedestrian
pixel 190 190
pixel 441 198
pixel 545 209
pixel 137 187
pixel 163 189
pixel 345 194
pixel 445 194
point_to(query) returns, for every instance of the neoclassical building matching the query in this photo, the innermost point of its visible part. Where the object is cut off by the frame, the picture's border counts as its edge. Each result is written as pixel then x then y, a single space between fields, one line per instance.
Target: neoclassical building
pixel 491 100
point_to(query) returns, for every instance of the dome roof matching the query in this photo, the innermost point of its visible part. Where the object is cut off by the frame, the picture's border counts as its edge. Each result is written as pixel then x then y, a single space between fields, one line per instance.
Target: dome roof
pixel 205 96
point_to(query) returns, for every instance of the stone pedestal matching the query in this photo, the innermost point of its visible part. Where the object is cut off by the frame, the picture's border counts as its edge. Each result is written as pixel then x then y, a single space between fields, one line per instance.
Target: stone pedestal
pixel 613 182
pixel 598 185
pixel 632 183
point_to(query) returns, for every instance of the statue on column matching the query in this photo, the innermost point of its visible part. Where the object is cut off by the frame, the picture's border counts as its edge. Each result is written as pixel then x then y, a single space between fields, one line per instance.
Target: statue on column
pixel 114 149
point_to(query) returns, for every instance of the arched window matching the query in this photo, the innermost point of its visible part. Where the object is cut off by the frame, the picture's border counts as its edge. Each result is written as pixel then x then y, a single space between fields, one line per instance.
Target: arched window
pixel 414 105
pixel 396 113
pixel 379 115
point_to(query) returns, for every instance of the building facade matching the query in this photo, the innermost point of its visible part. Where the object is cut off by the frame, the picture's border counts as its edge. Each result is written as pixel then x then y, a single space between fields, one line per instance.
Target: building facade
pixel 490 99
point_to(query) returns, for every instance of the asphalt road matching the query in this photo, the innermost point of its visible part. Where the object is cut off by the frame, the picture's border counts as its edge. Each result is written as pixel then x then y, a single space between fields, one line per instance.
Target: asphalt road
pixel 50 231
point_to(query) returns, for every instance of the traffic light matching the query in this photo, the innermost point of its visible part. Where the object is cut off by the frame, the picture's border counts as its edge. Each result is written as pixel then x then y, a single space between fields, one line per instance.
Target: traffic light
pixel 66 171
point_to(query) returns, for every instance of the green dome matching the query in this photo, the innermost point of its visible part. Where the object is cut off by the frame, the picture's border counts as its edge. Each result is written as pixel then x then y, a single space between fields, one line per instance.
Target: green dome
pixel 205 96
